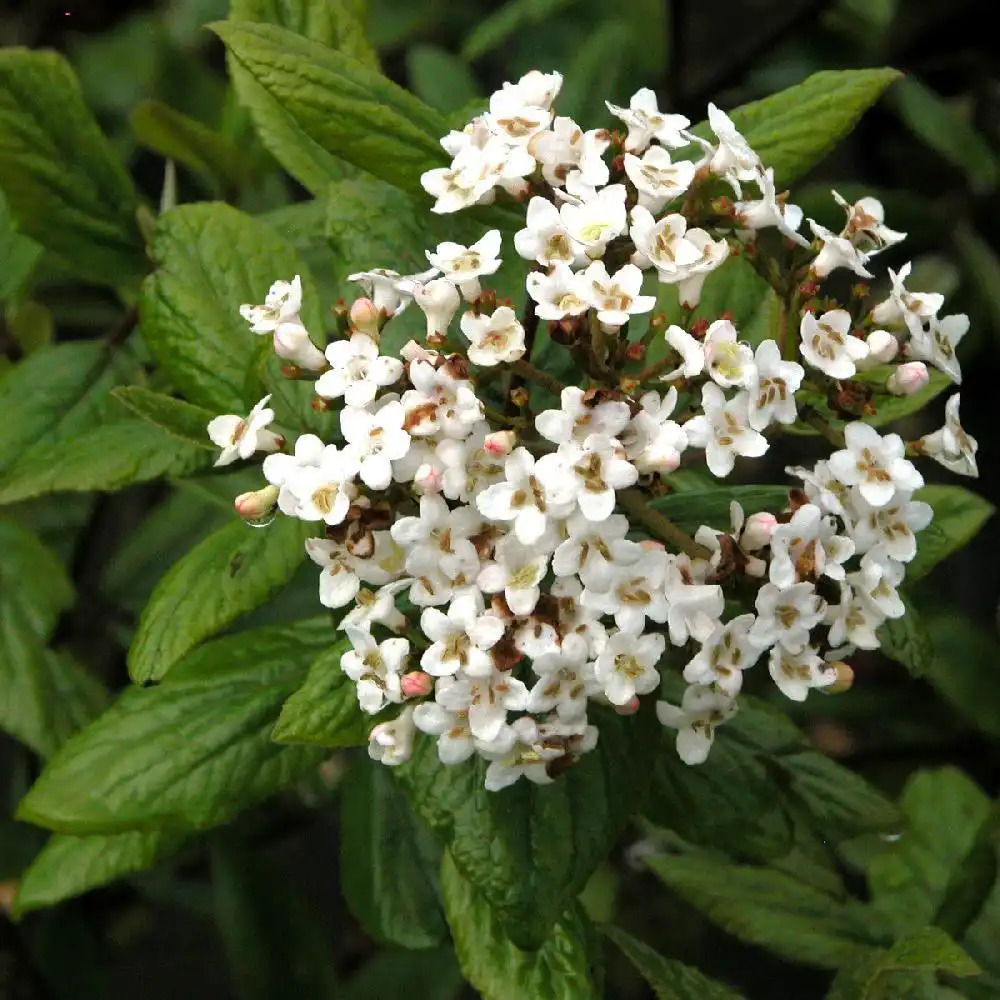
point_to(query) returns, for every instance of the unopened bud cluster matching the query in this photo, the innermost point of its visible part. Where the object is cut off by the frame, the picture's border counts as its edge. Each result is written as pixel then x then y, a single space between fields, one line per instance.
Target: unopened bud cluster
pixel 501 566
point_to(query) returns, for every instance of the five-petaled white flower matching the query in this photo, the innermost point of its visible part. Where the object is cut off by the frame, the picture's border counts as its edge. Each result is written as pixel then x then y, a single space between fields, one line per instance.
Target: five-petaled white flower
pixel 724 431
pixel 558 294
pixel 657 178
pixel 596 222
pixel 827 343
pixel 493 339
pixel 796 674
pixel 545 238
pixel 375 667
pixel 875 464
pixel 240 437
pixel 464 266
pixel 615 297
pixel 281 305
pixel 724 655
pixel 375 440
pixel 357 371
pixel 773 384
pixel 951 445
pixel 627 666
pixel 702 709
pixel 460 639
pixel 646 122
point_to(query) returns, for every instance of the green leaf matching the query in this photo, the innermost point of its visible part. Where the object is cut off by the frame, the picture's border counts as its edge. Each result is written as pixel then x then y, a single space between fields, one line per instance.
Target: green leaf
pixel 691 508
pixel 670 979
pixel 183 420
pixel 795 128
pixel 389 861
pixel 958 516
pixel 66 187
pixel 400 974
pixel 18 254
pixel 512 17
pixel 907 641
pixel 105 458
pixel 324 711
pixel 189 753
pixel 179 137
pixel 212 258
pixel 234 570
pixel 941 127
pixel 440 79
pixel 887 974
pixel 560 968
pixel 338 105
pixel 800 922
pixel 528 849
pixel 69 866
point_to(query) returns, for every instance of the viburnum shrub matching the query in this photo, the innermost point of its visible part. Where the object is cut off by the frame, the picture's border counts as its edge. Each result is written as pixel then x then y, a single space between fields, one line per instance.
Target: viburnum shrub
pixel 604 460
pixel 494 502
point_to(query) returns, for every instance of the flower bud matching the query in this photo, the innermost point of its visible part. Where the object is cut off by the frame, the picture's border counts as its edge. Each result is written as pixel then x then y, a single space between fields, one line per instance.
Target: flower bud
pixel 365 318
pixel 439 301
pixel 416 684
pixel 757 531
pixel 882 347
pixel 257 508
pixel 844 681
pixel 635 352
pixel 908 379
pixel 428 479
pixel 291 342
pixel 630 707
pixel 519 397
pixel 499 444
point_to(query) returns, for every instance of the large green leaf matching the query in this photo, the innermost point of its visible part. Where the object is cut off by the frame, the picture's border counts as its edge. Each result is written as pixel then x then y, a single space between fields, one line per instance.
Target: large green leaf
pixel 529 849
pixel 324 711
pixel 66 187
pixel 907 641
pixel 234 570
pixel 670 979
pixel 800 922
pixel 795 128
pixel 890 974
pixel 958 516
pixel 560 968
pixel 212 258
pixel 189 753
pixel 18 254
pixel 332 102
pixel 105 458
pixel 184 420
pixel 389 861
pixel 69 866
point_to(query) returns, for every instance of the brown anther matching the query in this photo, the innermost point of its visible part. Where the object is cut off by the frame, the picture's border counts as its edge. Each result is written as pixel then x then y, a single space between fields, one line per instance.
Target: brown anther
pixel 506 655
pixel 457 367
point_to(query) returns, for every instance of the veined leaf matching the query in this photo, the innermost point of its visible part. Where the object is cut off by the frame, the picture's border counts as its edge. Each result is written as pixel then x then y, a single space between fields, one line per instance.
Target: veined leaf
pixel 692 508
pixel 18 254
pixel 958 515
pixel 183 420
pixel 907 641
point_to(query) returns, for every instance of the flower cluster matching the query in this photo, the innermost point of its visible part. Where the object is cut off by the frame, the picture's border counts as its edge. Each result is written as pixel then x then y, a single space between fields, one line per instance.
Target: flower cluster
pixel 491 535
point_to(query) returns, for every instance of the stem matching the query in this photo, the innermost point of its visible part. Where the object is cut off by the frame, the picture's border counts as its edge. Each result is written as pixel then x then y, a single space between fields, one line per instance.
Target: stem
pixel 789 348
pixel 658 368
pixel 633 502
pixel 533 374
pixel 814 419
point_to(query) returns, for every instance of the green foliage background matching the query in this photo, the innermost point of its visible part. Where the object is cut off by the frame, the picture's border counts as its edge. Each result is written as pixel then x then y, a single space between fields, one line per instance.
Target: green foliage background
pixel 218 834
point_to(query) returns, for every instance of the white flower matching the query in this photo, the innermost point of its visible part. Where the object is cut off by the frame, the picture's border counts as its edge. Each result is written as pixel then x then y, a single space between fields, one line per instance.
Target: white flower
pixel 882 348
pixel 637 592
pixel 890 526
pixel 914 309
pixel 702 709
pixel 487 700
pixel 724 655
pixel 517 571
pixel 825 490
pixel 616 298
pixel 595 552
pixel 597 221
pixel 567 151
pixel 733 159
pixel 564 684
pixel 853 620
pixel 455 740
pixel 322 492
pixel 785 616
pixel 439 403
pixel 653 442
pixel 595 469
pixel 439 536
pixel 376 668
pixel 723 431
pixel 876 583
pixel 512 119
pixel 657 179
pixel 938 342
pixel 240 437
pixel 291 342
pixel 773 384
pixel 438 300
pixel 282 305
pixel 493 339
pixel 795 674
pixel 391 743
pixel 827 343
pixel 376 606
pixel 866 226
pixel 694 608
pixel 627 666
pixel 469 179
pixel 712 253
pixel 464 266
pixel 728 362
pixel 836 252
pixel 468 467
pixel 769 211
pixel 808 547
pixel 357 371
pixel 527 757
pixel 283 470
pixel 691 351
pixel 390 291
pixel 374 441
pixel 528 496
pixel 557 294
pixel 950 445
pixel 646 122
pixel 747 536
pixel 875 464
pixel 538 89
pixel 662 243
pixel 579 417
pixel 460 639
pixel 545 238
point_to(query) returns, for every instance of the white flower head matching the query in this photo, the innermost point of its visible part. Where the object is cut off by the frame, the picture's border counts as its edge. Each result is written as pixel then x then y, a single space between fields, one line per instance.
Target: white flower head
pixel 875 464
pixel 808 547
pixel 951 445
pixel 733 159
pixel 796 674
pixel 913 309
pixel 321 492
pixel 937 344
pixel 785 616
pixel 240 437
pixel 653 442
pixel 374 441
pixel 281 305
pixel 770 211
pixel 865 225
pixel 464 266
pixel 460 639
pixel 375 667
pixel 578 417
pixel 512 119
pixel 662 243
pixel 595 551
pixel 728 361
pixel 517 571
pixel 546 238
pixel 724 430
pixel 595 470
pixel 892 526
pixel 494 339
pixel 558 294
pixel 391 743
pixel 827 343
pixel 657 178
pixel 724 655
pixel 837 251
pixel 597 221
pixel 646 122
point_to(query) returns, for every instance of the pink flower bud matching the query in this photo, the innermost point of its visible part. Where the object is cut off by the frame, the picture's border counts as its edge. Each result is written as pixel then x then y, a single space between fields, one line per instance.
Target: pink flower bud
pixel 257 508
pixel 499 444
pixel 416 684
pixel 908 379
pixel 428 479
pixel 630 707
pixel 365 317
pixel 882 347
pixel 758 530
